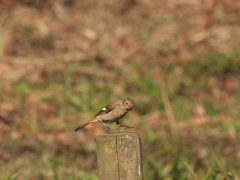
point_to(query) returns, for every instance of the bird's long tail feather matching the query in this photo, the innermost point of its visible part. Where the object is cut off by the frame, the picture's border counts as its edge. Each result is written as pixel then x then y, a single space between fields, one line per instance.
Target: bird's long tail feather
pixel 86 123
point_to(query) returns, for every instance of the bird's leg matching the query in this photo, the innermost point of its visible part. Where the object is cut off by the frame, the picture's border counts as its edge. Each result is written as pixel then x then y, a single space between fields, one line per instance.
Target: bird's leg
pixel 126 127
pixel 107 128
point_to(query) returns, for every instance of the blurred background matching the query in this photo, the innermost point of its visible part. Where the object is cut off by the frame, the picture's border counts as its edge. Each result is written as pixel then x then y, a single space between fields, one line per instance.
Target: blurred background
pixel 61 61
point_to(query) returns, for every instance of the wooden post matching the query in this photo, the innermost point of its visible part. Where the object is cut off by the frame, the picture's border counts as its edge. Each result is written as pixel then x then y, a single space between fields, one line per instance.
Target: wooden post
pixel 119 156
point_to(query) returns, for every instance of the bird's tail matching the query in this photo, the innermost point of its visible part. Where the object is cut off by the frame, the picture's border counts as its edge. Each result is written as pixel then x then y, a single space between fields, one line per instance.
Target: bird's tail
pixel 86 123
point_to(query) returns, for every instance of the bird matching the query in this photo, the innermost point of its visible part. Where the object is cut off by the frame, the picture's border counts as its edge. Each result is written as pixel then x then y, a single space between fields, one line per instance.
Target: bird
pixel 111 113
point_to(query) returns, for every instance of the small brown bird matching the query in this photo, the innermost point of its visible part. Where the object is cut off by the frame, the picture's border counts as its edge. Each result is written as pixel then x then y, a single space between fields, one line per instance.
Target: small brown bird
pixel 111 113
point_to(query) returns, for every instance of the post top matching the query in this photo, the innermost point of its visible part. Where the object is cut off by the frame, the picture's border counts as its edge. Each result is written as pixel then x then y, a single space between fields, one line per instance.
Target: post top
pixel 119 133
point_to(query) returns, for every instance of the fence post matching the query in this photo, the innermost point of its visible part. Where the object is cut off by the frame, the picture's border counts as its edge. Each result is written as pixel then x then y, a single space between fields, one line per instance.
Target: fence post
pixel 119 156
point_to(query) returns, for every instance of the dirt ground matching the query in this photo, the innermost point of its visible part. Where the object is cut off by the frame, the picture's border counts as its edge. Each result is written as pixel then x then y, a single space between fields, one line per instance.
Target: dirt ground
pixel 55 52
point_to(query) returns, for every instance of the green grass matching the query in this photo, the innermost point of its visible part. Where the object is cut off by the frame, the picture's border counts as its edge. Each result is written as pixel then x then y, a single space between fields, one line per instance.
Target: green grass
pixel 47 148
pixel 214 64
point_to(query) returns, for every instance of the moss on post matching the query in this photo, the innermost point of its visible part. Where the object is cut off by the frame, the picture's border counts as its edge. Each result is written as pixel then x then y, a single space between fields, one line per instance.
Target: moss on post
pixel 119 156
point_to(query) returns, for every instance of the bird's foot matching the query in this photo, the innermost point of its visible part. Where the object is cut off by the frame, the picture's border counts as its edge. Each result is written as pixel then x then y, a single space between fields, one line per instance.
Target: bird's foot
pixel 109 129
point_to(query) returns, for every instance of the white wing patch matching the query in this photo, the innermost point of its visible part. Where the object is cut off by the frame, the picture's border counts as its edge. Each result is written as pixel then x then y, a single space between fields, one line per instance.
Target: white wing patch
pixel 105 109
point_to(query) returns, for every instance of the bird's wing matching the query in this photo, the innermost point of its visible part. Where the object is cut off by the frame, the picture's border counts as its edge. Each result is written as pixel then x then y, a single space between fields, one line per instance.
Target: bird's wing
pixel 107 109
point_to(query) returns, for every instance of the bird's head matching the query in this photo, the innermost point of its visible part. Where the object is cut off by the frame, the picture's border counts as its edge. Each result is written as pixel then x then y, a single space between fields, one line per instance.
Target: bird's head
pixel 128 103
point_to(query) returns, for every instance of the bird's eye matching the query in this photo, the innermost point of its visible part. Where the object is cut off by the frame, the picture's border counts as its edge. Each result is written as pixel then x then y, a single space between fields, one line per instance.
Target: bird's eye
pixel 126 102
